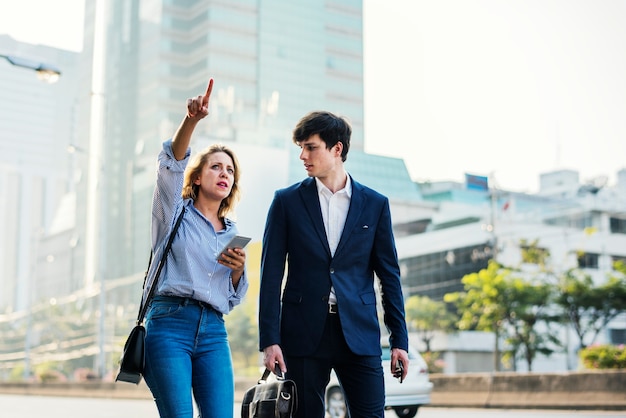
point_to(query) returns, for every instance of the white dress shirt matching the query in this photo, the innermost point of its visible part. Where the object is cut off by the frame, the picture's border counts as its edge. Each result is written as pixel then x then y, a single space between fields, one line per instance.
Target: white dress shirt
pixel 334 213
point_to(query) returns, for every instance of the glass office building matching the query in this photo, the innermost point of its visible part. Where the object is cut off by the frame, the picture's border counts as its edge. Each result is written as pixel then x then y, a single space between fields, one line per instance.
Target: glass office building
pixel 272 62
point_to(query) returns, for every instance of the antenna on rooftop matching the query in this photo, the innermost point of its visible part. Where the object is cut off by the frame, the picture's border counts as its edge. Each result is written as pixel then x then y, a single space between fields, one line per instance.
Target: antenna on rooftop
pixel 594 185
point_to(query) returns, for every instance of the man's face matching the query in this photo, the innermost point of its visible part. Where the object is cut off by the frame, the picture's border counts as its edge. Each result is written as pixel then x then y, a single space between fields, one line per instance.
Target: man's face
pixel 318 160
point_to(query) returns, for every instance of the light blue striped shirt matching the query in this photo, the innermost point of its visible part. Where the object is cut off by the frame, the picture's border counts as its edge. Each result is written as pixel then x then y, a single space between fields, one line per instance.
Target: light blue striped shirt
pixel 191 269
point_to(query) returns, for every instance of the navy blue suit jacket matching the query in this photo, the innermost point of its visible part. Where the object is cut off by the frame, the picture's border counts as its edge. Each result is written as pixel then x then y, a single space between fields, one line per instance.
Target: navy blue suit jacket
pixel 295 239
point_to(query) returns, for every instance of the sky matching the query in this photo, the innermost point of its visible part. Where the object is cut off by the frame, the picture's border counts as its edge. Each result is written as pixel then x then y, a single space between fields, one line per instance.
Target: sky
pixel 508 89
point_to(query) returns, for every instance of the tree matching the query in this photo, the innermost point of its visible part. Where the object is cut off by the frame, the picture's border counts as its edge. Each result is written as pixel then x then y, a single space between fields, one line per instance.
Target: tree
pixel 427 316
pixel 481 305
pixel 496 299
pixel 615 291
pixel 589 307
pixel 533 254
pixel 527 307
pixel 579 304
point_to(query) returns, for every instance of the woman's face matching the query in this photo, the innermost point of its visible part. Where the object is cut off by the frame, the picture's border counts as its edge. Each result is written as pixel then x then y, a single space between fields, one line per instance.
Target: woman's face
pixel 217 177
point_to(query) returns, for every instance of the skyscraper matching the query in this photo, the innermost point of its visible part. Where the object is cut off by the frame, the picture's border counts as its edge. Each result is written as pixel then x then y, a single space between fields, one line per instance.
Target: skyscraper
pixel 272 61
pixel 36 126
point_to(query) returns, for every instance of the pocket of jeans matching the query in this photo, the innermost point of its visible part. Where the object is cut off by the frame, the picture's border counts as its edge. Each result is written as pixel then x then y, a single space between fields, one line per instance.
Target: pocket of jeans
pixel 162 310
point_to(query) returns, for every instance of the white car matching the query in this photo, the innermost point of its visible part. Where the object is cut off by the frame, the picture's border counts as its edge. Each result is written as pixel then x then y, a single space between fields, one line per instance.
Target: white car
pixel 404 398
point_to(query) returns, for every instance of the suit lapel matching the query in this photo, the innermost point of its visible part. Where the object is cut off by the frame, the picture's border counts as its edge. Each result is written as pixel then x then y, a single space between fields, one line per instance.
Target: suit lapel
pixel 357 203
pixel 308 192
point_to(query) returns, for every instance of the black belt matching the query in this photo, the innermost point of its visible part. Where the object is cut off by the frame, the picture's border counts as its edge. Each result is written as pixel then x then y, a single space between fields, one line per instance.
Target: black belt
pixel 332 308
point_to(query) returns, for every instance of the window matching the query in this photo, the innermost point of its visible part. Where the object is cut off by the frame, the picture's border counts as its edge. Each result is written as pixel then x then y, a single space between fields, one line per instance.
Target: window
pixel 616 258
pixel 588 260
pixel 436 274
pixel 617 225
pixel 617 336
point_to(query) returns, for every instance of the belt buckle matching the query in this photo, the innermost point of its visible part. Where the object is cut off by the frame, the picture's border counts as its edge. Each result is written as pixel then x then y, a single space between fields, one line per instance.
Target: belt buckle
pixel 332 308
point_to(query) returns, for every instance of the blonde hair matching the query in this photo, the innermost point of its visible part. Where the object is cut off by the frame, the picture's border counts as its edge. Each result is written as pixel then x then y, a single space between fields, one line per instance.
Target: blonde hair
pixel 194 170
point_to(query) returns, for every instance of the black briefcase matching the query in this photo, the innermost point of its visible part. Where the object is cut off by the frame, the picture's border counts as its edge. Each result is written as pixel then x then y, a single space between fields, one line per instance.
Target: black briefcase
pixel 276 399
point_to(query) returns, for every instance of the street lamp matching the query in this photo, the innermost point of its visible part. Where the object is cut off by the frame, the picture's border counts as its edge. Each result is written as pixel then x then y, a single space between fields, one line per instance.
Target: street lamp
pixel 49 74
pixel 45 72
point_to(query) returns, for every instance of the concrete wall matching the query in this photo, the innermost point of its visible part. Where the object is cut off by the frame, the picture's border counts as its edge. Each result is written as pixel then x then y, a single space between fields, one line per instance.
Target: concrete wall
pixel 585 390
pixel 580 390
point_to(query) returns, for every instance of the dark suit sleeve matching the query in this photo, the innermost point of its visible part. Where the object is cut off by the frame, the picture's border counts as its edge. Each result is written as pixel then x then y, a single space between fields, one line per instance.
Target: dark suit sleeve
pixel 385 263
pixel 273 258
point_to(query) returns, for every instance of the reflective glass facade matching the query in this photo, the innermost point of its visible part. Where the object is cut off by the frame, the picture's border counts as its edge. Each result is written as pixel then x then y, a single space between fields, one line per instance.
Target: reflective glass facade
pixel 272 62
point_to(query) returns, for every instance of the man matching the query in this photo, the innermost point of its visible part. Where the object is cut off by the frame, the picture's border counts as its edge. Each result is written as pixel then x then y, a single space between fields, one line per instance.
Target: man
pixel 334 234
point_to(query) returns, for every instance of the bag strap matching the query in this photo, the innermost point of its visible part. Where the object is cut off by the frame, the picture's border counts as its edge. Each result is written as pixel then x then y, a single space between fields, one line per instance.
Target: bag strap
pixel 277 372
pixel 289 389
pixel 143 308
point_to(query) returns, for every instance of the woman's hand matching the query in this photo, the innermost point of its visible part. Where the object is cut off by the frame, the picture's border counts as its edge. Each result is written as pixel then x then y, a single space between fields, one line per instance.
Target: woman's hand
pixel 234 259
pixel 198 107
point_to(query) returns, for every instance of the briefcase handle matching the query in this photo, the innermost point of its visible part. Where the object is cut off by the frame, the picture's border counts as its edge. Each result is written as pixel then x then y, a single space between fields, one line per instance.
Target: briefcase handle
pixel 277 372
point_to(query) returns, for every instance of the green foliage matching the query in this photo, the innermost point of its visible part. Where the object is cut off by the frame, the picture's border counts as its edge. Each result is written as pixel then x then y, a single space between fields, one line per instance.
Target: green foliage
pixel 433 362
pixel 481 305
pixel 427 316
pixel 604 357
pixel 51 375
pixel 620 267
pixel 496 300
pixel 533 254
pixel 243 337
pixel 511 303
pixel 526 306
pixel 589 307
pixel 17 373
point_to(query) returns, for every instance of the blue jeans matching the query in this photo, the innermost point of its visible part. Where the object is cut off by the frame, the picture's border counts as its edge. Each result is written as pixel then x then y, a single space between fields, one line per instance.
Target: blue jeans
pixel 187 350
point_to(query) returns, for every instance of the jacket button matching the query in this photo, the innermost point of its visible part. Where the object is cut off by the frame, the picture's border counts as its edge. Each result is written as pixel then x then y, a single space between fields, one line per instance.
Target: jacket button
pixel 332 271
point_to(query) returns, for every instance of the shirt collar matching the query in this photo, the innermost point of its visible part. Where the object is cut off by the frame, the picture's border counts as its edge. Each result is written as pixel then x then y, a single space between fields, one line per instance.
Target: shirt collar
pixel 228 222
pixel 321 187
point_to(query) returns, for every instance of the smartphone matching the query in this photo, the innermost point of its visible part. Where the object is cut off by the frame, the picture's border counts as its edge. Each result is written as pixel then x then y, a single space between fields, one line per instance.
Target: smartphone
pixel 238 241
pixel 399 370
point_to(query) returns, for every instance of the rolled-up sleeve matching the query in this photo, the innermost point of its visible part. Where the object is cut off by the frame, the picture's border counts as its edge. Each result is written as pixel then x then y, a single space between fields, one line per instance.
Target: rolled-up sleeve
pixel 167 193
pixel 236 295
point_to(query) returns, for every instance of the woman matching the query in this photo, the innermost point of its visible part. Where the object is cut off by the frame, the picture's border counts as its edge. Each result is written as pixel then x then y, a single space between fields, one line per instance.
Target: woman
pixel 186 344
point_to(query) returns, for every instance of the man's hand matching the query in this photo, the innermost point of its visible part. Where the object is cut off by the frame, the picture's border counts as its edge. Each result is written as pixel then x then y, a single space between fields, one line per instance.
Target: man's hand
pixel 272 355
pixel 398 354
pixel 198 107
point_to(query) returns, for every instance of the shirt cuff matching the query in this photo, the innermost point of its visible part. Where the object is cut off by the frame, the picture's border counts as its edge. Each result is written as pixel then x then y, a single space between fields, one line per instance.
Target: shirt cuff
pixel 171 162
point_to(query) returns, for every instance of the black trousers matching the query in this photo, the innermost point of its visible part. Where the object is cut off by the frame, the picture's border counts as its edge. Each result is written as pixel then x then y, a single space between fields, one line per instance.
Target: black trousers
pixel 361 377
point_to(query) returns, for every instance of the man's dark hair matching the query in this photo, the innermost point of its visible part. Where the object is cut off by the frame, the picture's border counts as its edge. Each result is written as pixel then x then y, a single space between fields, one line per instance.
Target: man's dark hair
pixel 331 129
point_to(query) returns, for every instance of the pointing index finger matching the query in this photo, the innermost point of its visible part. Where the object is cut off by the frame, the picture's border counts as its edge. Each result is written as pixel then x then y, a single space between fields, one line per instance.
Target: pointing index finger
pixel 208 91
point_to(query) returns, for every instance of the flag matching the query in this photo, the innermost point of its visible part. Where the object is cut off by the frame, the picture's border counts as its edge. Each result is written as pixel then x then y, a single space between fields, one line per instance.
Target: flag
pixel 474 182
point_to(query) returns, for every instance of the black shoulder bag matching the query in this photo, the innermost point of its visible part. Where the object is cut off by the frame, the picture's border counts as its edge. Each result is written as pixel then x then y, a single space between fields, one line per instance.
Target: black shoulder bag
pixel 132 362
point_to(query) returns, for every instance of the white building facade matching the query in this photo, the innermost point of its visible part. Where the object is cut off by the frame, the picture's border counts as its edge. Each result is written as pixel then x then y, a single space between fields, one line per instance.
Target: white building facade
pixel 580 225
